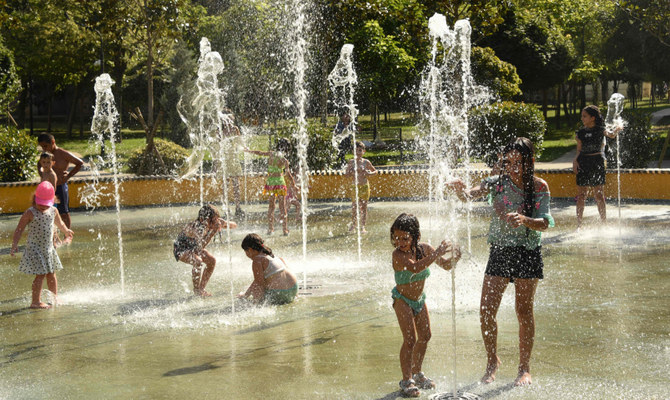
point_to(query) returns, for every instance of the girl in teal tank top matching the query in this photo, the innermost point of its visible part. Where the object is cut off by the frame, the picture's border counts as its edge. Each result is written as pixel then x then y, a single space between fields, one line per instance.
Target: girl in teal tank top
pixel 410 264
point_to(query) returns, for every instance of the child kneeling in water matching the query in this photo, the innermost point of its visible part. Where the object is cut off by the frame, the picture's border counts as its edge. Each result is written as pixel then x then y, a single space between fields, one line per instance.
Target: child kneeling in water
pixel 411 260
pixel 273 282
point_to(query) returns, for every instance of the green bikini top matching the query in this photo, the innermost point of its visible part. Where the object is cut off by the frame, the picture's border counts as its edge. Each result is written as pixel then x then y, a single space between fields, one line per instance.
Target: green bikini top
pixel 275 169
pixel 405 277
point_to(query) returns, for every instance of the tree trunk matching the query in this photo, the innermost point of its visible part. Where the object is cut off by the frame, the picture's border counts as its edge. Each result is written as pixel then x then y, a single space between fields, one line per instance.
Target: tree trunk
pixel 21 116
pixel 604 90
pixel 150 81
pixel 558 107
pixel 30 108
pixel 544 103
pixel 50 109
pixel 73 107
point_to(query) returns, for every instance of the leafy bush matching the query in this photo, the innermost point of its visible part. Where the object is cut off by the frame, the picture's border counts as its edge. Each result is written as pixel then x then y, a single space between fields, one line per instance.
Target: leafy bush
pixel 18 155
pixel 173 156
pixel 10 84
pixel 499 76
pixel 495 125
pixel 320 151
pixel 637 141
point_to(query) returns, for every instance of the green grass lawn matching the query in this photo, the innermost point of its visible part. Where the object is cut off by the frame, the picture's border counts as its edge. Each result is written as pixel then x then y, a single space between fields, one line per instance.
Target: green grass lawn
pixel 557 142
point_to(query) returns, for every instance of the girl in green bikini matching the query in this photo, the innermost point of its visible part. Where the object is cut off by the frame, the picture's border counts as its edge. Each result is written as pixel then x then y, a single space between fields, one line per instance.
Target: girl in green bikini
pixel 275 185
pixel 411 260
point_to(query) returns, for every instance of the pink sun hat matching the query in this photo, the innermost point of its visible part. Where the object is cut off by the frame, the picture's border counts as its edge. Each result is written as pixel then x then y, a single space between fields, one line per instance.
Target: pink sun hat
pixel 44 195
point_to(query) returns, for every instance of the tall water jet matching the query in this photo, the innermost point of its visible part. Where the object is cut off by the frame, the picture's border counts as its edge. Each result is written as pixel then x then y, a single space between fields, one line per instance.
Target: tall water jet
pixel 211 129
pixel 105 125
pixel 614 123
pixel 447 93
pixel 298 65
pixel 343 81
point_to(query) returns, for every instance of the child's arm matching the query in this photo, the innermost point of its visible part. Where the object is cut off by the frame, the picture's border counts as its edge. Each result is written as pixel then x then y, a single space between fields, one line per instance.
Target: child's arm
pixel 61 225
pixel 517 219
pixel 287 172
pixel 464 194
pixel 259 153
pixel 72 159
pixel 349 171
pixel 448 263
pixel 223 224
pixel 23 222
pixel 257 287
pixel 369 168
pixel 405 261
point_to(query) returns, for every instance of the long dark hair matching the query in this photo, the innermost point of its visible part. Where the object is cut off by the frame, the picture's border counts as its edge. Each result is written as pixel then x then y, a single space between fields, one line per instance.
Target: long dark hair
pixel 594 111
pixel 206 213
pixel 410 224
pixel 253 241
pixel 525 147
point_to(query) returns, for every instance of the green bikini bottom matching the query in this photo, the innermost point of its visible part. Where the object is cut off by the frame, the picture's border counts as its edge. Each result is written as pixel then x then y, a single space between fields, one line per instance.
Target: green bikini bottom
pixel 281 296
pixel 415 305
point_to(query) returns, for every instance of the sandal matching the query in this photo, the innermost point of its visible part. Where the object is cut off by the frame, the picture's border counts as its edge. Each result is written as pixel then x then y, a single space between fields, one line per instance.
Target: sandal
pixel 423 381
pixel 409 389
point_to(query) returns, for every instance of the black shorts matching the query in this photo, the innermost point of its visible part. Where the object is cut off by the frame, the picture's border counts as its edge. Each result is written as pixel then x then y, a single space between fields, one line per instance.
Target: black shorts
pixel 63 195
pixel 591 170
pixel 182 245
pixel 515 262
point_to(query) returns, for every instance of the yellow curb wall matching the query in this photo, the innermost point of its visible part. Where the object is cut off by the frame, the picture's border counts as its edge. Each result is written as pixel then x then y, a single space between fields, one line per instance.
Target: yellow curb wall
pixel 388 184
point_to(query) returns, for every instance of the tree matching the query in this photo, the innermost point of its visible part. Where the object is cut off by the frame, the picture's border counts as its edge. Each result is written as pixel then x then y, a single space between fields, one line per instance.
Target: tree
pixel 10 84
pixel 653 16
pixel 499 76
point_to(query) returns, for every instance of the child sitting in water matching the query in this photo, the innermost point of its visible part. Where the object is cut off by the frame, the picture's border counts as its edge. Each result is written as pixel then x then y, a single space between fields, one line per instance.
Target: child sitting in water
pixel 410 263
pixel 189 247
pixel 360 179
pixel 40 257
pixel 273 282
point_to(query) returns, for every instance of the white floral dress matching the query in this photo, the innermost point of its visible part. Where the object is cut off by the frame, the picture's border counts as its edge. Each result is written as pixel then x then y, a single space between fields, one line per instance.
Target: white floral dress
pixel 39 256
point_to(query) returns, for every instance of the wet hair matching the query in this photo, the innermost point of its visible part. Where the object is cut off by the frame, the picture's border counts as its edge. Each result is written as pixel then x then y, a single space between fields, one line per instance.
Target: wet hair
pixel 410 224
pixel 45 138
pixel 206 213
pixel 594 111
pixel 253 241
pixel 360 144
pixel 48 155
pixel 283 145
pixel 525 147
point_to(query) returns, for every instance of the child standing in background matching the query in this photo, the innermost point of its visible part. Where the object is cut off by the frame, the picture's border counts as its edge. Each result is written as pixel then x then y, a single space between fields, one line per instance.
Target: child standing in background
pixel 360 178
pixel 275 186
pixel 40 257
pixel 44 168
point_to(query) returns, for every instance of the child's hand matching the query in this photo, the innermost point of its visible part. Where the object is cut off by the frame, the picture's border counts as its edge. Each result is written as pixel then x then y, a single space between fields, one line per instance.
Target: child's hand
pixel 69 234
pixel 457 185
pixel 14 249
pixel 241 295
pixel 455 255
pixel 515 219
pixel 443 248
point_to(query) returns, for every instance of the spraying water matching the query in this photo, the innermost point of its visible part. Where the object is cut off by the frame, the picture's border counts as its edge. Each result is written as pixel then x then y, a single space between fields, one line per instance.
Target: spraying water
pixel 105 124
pixel 447 93
pixel 343 81
pixel 297 56
pixel 212 130
pixel 614 122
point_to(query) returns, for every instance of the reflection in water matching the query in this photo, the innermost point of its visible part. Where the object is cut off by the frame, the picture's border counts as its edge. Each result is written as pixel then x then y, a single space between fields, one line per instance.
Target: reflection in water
pixel 601 322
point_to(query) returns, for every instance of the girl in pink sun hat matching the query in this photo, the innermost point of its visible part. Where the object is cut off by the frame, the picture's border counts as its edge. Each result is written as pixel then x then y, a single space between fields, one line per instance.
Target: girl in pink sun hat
pixel 39 257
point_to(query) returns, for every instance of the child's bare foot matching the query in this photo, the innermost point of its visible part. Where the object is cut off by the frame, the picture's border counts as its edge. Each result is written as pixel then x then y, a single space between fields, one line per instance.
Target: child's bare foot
pixel 363 230
pixel 202 293
pixel 351 227
pixel 491 369
pixel 40 305
pixel 523 379
pixel 270 232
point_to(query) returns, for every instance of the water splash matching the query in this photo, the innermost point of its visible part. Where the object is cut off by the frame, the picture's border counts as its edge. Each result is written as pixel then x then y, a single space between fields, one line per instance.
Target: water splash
pixel 211 130
pixel 343 81
pixel 105 125
pixel 447 93
pixel 297 55
pixel 614 122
